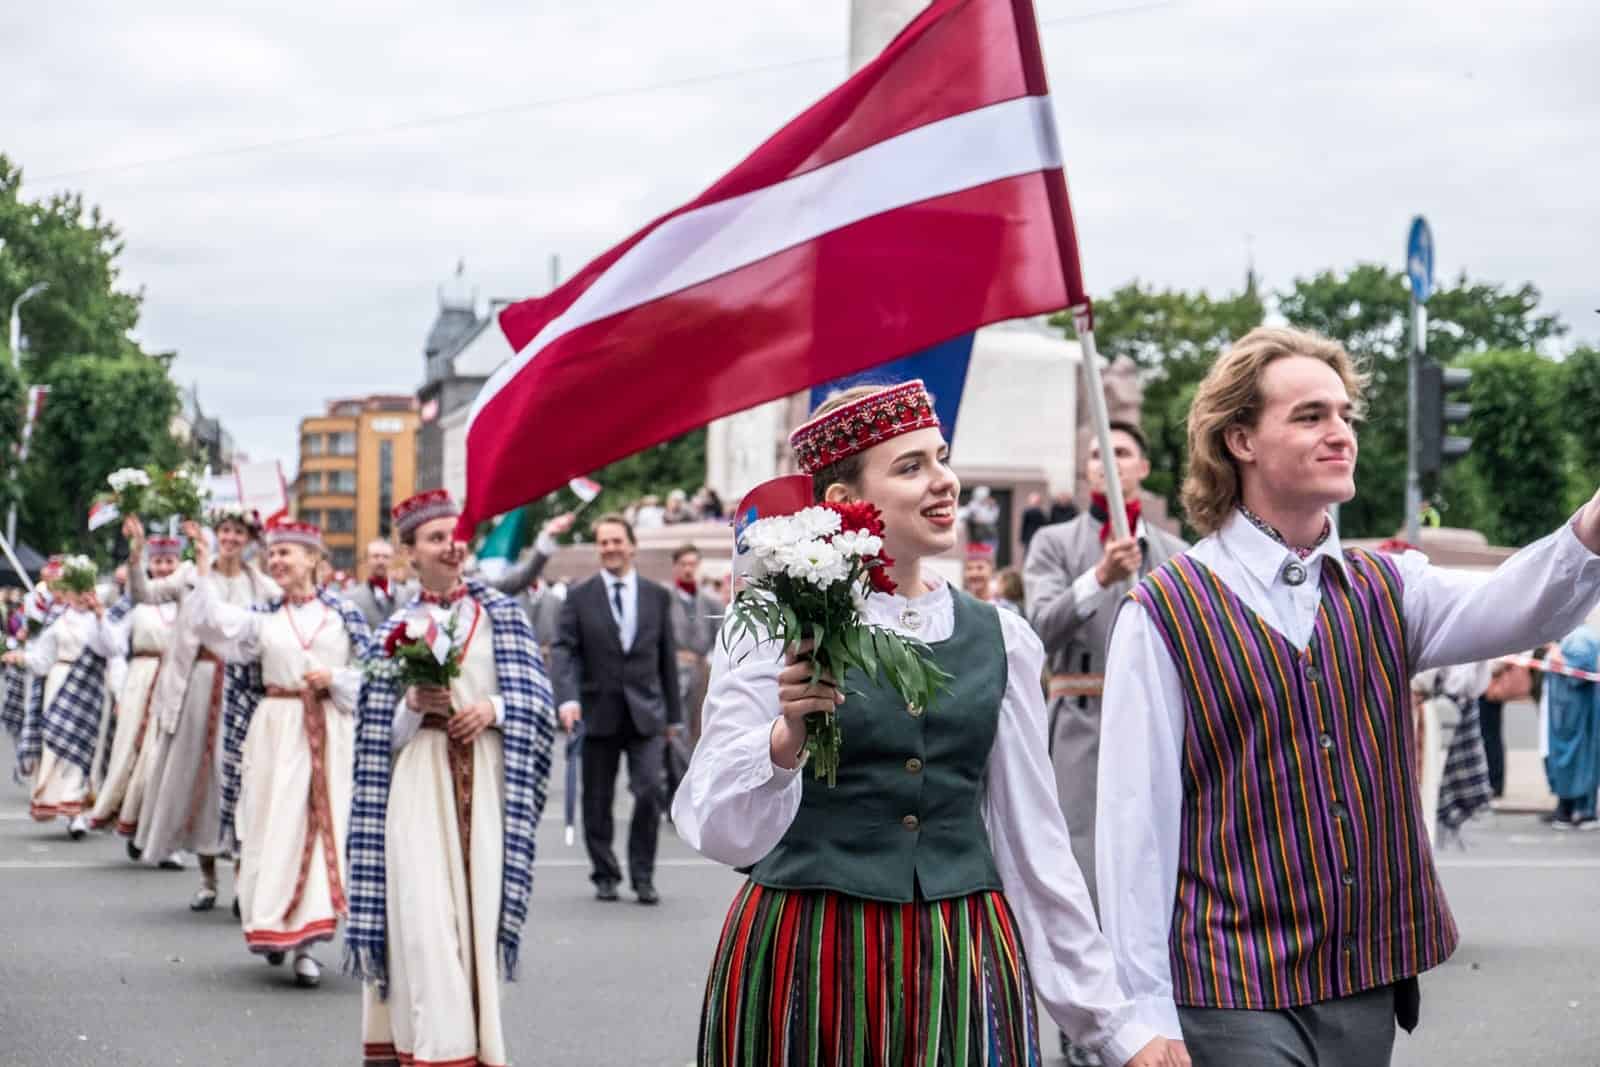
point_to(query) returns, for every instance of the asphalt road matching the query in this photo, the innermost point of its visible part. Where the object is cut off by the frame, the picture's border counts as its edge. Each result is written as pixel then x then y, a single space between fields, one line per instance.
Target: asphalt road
pixel 101 963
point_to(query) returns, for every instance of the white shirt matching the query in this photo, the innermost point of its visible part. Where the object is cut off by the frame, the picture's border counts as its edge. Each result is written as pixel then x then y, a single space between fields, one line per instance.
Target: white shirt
pixel 628 624
pixel 735 805
pixel 1450 617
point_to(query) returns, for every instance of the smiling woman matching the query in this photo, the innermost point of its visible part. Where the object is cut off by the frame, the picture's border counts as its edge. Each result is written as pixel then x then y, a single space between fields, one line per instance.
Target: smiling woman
pixel 934 874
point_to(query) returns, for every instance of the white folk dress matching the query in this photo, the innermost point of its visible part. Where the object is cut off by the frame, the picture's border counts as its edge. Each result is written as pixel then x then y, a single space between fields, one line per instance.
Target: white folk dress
pixel 143 636
pixel 182 803
pixel 60 789
pixel 295 771
pixel 443 914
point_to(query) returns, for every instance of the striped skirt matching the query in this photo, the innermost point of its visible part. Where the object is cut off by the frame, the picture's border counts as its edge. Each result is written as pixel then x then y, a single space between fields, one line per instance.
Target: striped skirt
pixel 819 979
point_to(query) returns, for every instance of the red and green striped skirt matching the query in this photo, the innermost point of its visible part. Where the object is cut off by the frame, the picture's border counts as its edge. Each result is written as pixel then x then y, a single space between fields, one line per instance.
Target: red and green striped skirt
pixel 819 979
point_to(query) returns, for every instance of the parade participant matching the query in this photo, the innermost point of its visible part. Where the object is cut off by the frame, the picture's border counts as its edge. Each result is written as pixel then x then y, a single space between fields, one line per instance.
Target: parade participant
pixel 25 697
pixel 296 708
pixel 450 784
pixel 143 637
pixel 909 913
pixel 1265 878
pixel 977 570
pixel 1076 576
pixel 615 670
pixel 695 618
pixel 381 593
pixel 182 804
pixel 61 784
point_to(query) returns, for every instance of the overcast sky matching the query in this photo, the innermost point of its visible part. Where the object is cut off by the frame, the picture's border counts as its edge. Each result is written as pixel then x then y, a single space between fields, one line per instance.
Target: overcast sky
pixel 1193 131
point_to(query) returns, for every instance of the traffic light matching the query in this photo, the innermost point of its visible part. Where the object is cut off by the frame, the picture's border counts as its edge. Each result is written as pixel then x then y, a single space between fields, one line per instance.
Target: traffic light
pixel 1437 416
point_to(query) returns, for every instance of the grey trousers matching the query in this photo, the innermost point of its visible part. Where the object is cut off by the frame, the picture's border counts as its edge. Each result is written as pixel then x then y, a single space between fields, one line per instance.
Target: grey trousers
pixel 1356 1031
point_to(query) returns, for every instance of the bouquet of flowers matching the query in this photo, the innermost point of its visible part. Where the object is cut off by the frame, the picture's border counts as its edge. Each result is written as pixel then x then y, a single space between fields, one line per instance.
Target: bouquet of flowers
pixel 130 490
pixel 79 574
pixel 420 650
pixel 178 494
pixel 808 579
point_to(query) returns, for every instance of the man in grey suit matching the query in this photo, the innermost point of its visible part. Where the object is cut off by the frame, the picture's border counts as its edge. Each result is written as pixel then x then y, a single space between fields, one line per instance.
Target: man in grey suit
pixel 379 596
pixel 1076 576
pixel 695 619
pixel 615 669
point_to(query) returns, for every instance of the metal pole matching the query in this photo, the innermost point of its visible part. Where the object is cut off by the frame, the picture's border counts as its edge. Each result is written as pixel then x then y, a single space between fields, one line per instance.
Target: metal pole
pixel 1419 351
pixel 1102 423
pixel 15 338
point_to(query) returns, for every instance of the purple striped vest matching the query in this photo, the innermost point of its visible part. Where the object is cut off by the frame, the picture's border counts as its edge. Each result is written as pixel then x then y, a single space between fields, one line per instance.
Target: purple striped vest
pixel 1304 871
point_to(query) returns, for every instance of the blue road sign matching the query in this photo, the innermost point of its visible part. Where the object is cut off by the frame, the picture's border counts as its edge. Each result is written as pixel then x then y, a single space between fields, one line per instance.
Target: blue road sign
pixel 1419 259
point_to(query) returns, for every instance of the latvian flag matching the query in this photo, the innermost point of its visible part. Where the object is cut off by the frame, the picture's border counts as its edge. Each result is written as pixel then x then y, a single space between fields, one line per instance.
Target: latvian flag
pixel 921 199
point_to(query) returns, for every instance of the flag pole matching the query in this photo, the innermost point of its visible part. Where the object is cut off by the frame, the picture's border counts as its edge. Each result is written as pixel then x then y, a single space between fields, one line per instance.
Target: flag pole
pixel 22 575
pixel 1078 303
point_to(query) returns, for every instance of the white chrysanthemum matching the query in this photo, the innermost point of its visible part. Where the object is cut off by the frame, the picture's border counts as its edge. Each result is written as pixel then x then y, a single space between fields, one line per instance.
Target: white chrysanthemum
pixel 417 626
pixel 817 522
pixel 815 562
pixel 126 477
pixel 856 544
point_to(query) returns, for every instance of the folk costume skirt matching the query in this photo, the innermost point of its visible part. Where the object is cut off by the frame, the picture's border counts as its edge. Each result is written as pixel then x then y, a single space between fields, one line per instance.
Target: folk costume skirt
pixel 813 977
pixel 443 848
pixel 123 791
pixel 294 807
pixel 60 789
pixel 182 803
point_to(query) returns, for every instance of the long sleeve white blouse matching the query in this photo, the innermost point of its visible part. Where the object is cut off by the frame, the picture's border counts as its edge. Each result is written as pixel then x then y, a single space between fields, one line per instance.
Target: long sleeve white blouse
pixel 1451 617
pixel 234 632
pixel 734 806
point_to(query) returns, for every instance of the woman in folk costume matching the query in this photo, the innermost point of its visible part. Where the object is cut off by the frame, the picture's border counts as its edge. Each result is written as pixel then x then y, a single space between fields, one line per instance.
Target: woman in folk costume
pixel 61 784
pixel 296 703
pixel 450 784
pixel 143 637
pixel 25 692
pixel 912 913
pixel 182 803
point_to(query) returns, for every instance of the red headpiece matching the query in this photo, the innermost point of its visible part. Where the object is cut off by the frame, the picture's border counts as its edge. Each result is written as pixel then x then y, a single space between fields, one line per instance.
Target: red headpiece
pixel 51 570
pixel 294 533
pixel 860 424
pixel 165 546
pixel 426 506
pixel 979 550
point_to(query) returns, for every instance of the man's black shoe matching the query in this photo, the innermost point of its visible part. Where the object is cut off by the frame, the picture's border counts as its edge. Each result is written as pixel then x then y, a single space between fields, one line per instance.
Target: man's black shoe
pixel 647 894
pixel 605 891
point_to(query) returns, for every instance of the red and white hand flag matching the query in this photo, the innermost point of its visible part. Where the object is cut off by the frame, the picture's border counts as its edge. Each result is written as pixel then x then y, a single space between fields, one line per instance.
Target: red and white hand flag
pixel 921 199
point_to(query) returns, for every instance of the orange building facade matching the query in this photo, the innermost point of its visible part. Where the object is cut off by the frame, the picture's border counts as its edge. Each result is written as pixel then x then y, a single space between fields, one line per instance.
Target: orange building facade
pixel 357 460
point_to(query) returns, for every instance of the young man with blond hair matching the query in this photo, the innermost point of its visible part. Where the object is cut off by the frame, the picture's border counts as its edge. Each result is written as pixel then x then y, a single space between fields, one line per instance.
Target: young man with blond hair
pixel 1265 877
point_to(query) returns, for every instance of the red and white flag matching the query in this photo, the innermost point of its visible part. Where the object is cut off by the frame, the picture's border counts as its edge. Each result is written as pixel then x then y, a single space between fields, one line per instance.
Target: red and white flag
pixel 103 513
pixel 921 199
pixel 585 489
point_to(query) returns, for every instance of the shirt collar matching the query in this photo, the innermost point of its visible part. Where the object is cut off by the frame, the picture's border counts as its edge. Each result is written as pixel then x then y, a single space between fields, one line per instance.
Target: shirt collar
pixel 629 580
pixel 1265 558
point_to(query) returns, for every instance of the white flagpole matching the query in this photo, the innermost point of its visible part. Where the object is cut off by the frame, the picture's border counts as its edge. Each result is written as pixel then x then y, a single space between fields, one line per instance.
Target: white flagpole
pixel 16 566
pixel 1083 321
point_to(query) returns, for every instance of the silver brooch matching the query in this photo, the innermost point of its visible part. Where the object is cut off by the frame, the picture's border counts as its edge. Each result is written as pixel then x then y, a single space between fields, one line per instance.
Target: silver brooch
pixel 911 618
pixel 1294 573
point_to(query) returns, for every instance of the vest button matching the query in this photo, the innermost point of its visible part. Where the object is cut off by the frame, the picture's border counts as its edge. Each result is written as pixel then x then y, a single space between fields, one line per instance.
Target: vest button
pixel 1340 811
pixel 1312 674
pixel 911 822
pixel 1349 877
pixel 1326 741
pixel 913 765
pixel 1349 943
pixel 913 711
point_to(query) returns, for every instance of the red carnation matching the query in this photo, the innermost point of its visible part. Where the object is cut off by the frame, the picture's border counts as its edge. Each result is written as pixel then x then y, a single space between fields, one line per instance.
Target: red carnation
pixel 860 515
pixel 391 644
pixel 878 575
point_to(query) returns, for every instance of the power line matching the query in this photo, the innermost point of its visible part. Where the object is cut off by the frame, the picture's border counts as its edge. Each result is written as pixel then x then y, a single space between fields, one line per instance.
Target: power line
pixel 530 105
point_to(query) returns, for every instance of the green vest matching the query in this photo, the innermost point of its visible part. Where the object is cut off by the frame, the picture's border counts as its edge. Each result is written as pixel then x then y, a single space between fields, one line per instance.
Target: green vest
pixel 905 821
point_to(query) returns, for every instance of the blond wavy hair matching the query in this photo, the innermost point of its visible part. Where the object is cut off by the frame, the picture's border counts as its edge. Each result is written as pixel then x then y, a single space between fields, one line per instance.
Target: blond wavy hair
pixel 1230 395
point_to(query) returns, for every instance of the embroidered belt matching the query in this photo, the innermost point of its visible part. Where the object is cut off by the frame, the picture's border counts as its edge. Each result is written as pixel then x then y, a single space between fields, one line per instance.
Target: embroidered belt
pixel 461 777
pixel 202 778
pixel 319 807
pixel 1077 685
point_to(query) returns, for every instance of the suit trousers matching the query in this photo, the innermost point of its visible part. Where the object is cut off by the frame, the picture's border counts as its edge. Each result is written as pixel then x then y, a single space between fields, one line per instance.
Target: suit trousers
pixel 1354 1031
pixel 646 760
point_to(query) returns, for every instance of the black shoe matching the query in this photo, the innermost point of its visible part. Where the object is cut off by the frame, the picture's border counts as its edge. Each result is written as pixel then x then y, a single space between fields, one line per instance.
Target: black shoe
pixel 274 959
pixel 134 851
pixel 236 908
pixel 647 894
pixel 605 891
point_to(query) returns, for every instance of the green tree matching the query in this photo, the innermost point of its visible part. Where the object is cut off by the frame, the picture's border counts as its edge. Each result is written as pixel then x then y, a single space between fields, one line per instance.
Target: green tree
pixel 1173 337
pixel 1516 474
pixel 102 414
pixel 1368 310
pixel 74 248
pixel 1581 411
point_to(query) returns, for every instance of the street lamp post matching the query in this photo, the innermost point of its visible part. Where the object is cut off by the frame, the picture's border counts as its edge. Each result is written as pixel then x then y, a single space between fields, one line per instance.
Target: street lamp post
pixel 16 361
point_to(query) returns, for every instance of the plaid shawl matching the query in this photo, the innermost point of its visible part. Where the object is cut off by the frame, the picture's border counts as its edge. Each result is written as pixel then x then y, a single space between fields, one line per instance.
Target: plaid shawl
pixel 15 708
pixel 1464 787
pixel 72 721
pixel 30 736
pixel 528 735
pixel 243 689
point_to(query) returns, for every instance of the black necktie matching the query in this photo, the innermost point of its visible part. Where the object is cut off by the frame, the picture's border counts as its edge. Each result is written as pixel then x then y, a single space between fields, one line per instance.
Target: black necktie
pixel 616 600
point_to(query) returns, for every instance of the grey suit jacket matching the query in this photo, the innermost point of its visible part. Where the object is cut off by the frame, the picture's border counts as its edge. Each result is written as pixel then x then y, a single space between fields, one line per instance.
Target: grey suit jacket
pixel 589 666
pixel 377 609
pixel 1057 555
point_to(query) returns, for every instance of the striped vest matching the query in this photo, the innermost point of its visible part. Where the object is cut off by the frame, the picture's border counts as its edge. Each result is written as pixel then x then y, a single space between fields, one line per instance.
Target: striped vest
pixel 1304 870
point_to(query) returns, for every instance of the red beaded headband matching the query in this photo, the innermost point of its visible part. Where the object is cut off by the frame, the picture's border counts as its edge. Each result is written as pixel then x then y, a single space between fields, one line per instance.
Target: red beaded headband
pixel 295 533
pixel 860 424
pixel 425 506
